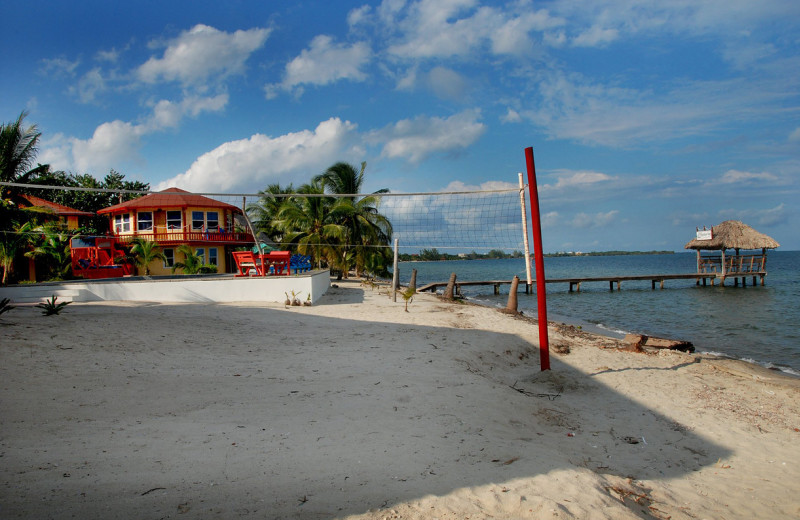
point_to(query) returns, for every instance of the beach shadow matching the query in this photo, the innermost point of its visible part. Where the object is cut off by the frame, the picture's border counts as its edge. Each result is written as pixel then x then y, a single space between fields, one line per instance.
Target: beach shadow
pixel 268 413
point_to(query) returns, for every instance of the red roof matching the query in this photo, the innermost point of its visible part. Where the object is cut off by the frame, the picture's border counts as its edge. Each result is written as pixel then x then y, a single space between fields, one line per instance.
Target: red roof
pixel 58 209
pixel 169 198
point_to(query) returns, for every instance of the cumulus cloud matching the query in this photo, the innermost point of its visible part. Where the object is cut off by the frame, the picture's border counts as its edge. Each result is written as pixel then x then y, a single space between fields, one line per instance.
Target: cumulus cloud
pixel 259 160
pixel 110 144
pixel 202 53
pixel 116 142
pixel 324 62
pixel 418 138
pixel 168 114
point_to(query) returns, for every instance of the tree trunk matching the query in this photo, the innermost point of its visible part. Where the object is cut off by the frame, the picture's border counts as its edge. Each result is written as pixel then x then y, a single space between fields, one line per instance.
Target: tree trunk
pixel 451 285
pixel 413 283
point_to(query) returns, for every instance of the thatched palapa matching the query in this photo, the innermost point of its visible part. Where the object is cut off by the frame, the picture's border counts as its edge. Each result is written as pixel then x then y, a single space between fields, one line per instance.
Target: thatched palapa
pixel 733 234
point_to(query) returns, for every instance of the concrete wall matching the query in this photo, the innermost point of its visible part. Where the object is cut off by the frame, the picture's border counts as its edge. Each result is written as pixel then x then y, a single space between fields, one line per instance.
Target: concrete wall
pixel 214 288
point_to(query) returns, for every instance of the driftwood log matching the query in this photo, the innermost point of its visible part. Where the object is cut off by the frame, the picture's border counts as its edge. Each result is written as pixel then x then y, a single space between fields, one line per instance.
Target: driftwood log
pixel 640 343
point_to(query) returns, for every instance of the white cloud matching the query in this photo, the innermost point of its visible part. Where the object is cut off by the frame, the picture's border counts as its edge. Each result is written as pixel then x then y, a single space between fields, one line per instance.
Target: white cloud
pixel 757 217
pixel 436 28
pixel 595 36
pixel 550 219
pixel 570 106
pixel 584 220
pixel 577 179
pixel 203 53
pixel 511 116
pixel 739 177
pixel 324 62
pixel 90 85
pixel 259 160
pixel 447 83
pixel 58 67
pixel 416 139
pixel 795 136
pixel 358 15
pixel 484 186
pixel 409 81
pixel 116 142
pixel 111 143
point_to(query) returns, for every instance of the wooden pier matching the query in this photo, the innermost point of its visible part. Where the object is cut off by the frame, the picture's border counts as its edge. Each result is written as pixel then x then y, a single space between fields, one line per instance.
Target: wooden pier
pixel 575 283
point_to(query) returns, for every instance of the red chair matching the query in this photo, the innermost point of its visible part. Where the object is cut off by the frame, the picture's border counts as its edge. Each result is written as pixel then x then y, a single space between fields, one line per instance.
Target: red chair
pixel 245 261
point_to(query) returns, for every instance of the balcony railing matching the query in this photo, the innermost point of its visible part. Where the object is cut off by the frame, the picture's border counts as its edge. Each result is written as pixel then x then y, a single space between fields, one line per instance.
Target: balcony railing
pixel 171 236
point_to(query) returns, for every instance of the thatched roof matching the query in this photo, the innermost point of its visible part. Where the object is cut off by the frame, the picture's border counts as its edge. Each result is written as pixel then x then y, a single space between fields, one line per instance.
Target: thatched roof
pixel 733 234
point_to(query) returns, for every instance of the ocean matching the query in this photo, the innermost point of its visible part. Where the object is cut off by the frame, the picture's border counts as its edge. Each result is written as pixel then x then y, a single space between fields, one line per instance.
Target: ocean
pixel 752 323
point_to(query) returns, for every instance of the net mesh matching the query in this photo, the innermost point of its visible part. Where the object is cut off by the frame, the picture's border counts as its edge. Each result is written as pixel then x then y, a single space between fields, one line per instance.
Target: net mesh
pixel 461 221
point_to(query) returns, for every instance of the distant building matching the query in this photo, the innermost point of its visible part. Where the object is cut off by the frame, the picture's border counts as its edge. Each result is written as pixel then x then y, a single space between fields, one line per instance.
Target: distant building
pixel 175 217
pixel 72 218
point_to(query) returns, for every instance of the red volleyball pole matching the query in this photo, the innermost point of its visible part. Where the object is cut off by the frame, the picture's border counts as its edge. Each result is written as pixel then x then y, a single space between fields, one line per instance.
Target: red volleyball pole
pixel 538 258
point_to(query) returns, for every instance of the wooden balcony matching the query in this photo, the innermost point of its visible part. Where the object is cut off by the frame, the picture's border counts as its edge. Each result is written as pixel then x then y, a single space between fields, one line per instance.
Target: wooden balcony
pixel 173 237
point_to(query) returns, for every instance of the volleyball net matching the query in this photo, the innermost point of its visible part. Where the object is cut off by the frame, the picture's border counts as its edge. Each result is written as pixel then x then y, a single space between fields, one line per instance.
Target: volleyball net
pixel 457 222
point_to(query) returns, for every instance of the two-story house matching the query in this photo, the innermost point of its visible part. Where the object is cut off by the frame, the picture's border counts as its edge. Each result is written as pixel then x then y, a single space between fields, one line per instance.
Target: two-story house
pixel 174 217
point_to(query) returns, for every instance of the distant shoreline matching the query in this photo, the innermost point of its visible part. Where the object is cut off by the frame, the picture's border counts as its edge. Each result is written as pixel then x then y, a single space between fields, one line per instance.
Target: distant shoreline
pixel 405 257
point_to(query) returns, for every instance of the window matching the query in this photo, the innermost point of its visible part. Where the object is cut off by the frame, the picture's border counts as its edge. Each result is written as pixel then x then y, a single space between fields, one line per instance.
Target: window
pixel 122 223
pixel 169 257
pixel 201 254
pixel 212 256
pixel 197 221
pixel 174 220
pixel 145 221
pixel 212 220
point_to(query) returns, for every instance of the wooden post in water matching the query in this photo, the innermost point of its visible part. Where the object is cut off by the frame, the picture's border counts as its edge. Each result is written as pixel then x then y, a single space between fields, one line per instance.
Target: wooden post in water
pixel 511 306
pixel 541 292
pixel 451 285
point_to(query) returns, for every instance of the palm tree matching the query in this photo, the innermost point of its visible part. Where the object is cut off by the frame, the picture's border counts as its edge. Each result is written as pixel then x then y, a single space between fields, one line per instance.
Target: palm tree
pixel 368 232
pixel 192 263
pixel 313 223
pixel 18 149
pixel 55 248
pixel 145 251
pixel 265 211
pixel 11 243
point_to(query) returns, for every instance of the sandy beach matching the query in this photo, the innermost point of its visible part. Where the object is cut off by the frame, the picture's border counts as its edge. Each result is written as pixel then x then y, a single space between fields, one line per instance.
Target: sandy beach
pixel 353 408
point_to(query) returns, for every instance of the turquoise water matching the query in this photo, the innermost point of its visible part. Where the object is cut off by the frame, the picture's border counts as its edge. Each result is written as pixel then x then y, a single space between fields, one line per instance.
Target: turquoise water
pixel 758 324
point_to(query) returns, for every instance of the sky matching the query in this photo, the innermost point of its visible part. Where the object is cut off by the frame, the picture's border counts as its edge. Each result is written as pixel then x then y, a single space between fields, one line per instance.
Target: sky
pixel 647 119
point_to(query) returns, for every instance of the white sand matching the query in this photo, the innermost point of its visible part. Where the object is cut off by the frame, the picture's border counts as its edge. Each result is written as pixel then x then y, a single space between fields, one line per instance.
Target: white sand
pixel 354 408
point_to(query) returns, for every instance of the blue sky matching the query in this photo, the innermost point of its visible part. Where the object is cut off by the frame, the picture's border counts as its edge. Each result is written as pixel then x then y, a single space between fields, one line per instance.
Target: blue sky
pixel 647 119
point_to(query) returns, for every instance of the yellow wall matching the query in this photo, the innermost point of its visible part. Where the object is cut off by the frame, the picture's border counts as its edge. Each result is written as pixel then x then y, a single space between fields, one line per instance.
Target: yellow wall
pixel 157 266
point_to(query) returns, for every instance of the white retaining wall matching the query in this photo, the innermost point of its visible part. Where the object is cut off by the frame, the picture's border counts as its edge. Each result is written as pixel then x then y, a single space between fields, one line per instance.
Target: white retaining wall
pixel 177 289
